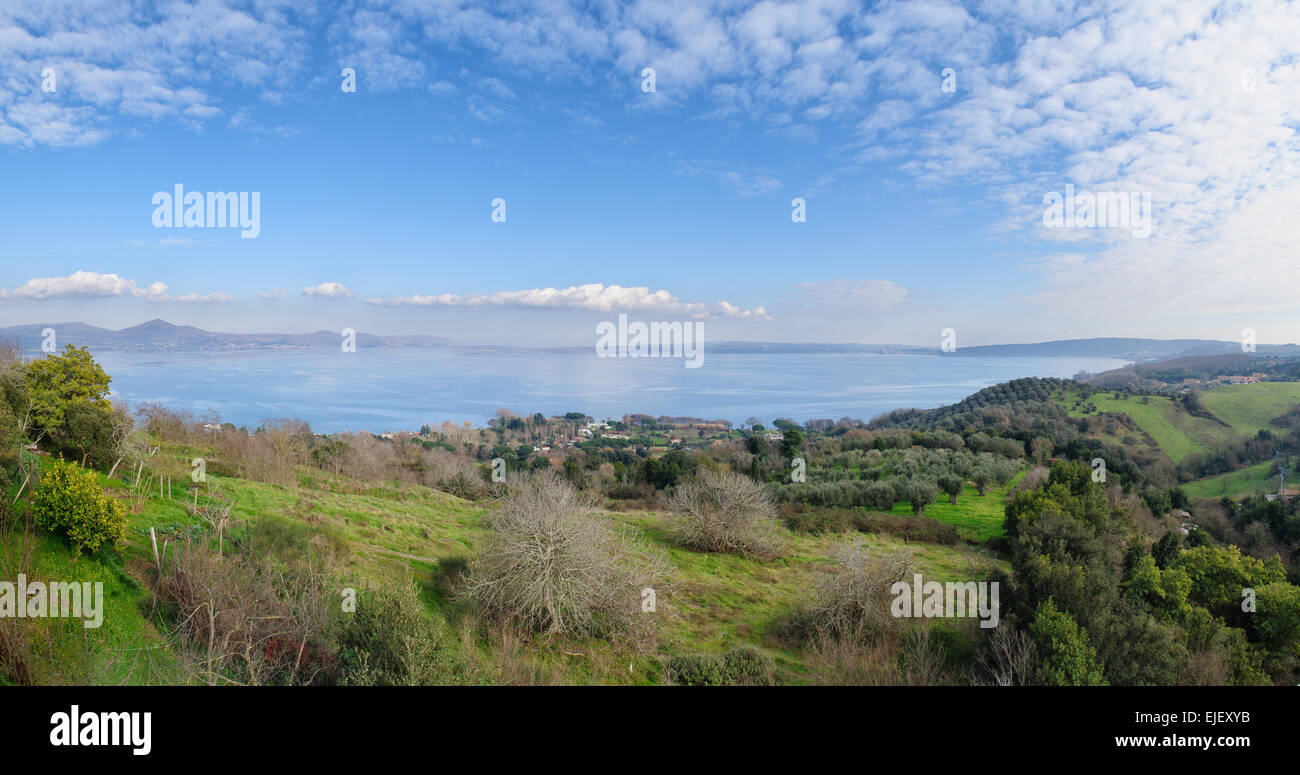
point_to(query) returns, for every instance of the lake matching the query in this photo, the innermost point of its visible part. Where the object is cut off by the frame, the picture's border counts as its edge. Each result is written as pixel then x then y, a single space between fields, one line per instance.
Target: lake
pixel 402 389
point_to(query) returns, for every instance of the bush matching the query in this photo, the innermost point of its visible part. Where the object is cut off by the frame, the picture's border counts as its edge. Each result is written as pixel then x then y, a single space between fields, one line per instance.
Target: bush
pixel 1067 658
pixel 851 601
pixel 245 620
pixel 69 501
pixel 924 529
pixel 552 564
pixel 801 519
pixel 726 513
pixel 741 666
pixel 390 641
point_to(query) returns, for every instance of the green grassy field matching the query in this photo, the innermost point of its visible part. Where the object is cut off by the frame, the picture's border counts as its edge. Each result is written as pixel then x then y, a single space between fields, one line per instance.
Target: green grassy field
pixel 1248 408
pixel 1258 479
pixel 976 518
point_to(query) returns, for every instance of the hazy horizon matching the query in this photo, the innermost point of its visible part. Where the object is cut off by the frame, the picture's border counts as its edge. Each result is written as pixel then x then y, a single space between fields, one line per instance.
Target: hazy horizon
pixel 289 331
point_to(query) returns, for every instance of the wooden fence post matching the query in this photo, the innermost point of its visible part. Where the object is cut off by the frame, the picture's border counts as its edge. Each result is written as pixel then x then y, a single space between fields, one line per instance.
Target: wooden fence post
pixel 153 538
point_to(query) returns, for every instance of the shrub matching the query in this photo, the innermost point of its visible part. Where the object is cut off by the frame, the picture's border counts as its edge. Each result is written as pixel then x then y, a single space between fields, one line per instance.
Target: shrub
pixel 741 666
pixel 749 665
pixel 851 600
pixel 552 564
pixel 627 492
pixel 246 620
pixel 69 501
pixel 726 513
pixel 390 641
pixel 816 521
pixel 836 662
pixel 696 670
pixel 1067 658
pixel 924 529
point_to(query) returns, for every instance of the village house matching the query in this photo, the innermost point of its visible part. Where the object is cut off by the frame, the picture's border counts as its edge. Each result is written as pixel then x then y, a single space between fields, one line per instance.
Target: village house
pixel 1284 495
pixel 1185 524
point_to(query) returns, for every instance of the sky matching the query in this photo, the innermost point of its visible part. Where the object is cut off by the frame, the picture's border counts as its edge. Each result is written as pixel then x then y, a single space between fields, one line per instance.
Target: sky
pixel 805 171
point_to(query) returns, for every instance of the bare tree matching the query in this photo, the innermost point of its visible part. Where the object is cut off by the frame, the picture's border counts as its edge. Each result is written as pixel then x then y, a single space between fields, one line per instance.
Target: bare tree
pixel 552 564
pixel 1006 658
pixel 922 657
pixel 215 510
pixel 130 444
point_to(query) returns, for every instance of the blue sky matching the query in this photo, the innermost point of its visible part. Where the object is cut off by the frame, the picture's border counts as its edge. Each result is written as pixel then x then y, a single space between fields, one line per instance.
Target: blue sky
pixel 924 203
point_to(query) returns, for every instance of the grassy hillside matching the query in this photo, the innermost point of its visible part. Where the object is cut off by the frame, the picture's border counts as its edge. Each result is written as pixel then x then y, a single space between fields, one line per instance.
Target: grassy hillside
pixel 1177 433
pixel 128 648
pixel 1258 479
pixel 1243 410
pixel 386 533
pixel 1248 408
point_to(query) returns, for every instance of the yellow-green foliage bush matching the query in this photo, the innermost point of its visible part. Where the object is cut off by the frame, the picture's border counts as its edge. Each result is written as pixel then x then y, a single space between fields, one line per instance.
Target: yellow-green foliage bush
pixel 70 501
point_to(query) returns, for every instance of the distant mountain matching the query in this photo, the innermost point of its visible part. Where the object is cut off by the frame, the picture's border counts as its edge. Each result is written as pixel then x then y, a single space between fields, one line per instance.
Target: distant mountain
pixel 1128 349
pixel 1136 350
pixel 1280 362
pixel 159 335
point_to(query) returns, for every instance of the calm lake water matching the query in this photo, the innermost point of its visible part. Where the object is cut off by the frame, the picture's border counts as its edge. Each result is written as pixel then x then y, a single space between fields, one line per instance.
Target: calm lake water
pixel 401 389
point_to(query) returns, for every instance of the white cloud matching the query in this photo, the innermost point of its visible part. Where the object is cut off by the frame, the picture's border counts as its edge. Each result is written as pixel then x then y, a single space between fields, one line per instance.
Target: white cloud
pixel 595 297
pixel 96 285
pixel 178 242
pixel 327 290
pixel 206 298
pixel 82 284
pixel 497 87
pixel 275 293
pixel 380 47
pixel 165 242
pixel 1246 263
pixel 483 110
pixel 110 62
